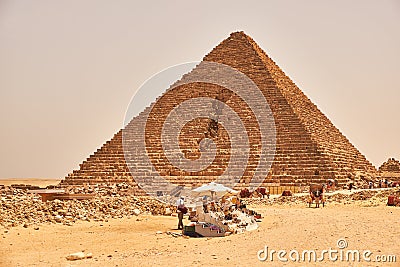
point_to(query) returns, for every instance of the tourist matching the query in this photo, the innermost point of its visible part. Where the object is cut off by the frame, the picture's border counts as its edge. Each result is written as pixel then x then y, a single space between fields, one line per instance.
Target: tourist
pixel 180 204
pixel 213 207
pixel 204 199
pixel 180 201
pixel 242 205
pixel 235 202
pixel 225 205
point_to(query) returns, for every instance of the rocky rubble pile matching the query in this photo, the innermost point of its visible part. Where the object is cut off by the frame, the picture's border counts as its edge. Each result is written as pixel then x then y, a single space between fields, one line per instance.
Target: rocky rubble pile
pixel 277 201
pixel 18 207
pixel 374 197
pixel 118 189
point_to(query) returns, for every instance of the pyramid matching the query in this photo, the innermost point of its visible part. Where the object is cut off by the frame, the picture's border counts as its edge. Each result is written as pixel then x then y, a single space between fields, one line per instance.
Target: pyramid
pixel 391 165
pixel 390 170
pixel 308 148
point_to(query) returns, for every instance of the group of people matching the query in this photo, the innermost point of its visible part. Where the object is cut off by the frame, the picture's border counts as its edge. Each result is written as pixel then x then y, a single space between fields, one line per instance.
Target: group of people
pixel 331 185
pixel 225 205
pixel 382 183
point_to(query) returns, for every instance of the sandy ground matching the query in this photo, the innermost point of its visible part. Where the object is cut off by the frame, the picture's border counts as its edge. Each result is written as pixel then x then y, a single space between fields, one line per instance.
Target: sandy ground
pixel 42 182
pixel 134 241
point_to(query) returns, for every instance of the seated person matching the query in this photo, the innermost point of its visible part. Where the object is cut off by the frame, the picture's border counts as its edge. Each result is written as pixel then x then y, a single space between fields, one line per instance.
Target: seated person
pixel 225 205
pixel 212 207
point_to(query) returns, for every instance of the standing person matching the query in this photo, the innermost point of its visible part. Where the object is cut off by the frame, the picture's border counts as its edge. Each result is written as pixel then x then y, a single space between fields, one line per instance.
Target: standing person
pixel 180 205
pixel 204 199
pixel 235 202
pixel 225 205
pixel 350 186
pixel 213 208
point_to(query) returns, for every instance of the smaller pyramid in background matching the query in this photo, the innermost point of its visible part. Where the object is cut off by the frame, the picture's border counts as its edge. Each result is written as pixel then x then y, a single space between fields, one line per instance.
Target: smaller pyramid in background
pixel 309 148
pixel 391 165
pixel 390 170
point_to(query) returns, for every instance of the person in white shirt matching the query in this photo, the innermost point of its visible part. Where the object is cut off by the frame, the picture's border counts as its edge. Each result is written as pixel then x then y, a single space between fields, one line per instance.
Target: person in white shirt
pixel 180 201
pixel 180 205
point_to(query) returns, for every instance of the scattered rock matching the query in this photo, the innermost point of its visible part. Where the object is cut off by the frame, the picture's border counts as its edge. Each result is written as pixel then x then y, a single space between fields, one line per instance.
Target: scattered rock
pixel 18 207
pixel 174 234
pixel 78 256
pixel 61 211
pixel 136 212
pixel 167 212
pixel 58 218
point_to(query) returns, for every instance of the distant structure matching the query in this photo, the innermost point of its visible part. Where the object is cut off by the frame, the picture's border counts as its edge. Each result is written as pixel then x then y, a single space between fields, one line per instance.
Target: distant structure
pixel 390 170
pixel 309 148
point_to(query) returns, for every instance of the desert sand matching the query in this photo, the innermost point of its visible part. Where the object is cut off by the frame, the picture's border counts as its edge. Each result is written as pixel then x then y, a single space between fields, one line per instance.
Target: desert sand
pixel 136 241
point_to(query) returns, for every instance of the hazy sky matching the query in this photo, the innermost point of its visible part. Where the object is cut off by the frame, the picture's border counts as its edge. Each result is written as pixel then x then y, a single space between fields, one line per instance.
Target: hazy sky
pixel 68 69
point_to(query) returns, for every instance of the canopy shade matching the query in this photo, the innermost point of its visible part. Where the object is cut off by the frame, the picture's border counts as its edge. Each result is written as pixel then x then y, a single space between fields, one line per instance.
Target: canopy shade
pixel 213 189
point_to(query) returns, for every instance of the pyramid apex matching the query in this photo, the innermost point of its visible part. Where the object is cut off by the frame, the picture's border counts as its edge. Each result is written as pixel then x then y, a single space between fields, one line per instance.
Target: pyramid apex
pixel 234 37
pixel 238 34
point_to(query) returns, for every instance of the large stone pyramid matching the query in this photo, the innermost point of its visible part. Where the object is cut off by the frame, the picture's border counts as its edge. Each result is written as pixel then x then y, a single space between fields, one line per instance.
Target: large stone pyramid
pixel 309 148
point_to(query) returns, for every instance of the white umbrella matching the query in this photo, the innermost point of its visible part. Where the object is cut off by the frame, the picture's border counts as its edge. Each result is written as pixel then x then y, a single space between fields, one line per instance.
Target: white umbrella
pixel 214 189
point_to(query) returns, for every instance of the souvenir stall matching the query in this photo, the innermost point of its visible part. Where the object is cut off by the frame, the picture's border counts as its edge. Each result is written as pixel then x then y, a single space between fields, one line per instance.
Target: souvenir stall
pixel 216 211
